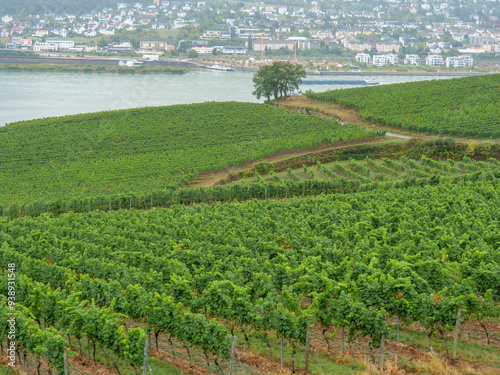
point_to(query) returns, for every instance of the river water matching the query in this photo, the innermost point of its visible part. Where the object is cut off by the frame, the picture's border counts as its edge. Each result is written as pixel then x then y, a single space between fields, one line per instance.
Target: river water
pixel 31 95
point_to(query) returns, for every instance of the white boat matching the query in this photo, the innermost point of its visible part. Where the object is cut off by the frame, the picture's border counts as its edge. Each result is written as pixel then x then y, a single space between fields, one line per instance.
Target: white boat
pixel 220 67
pixel 129 63
pixel 370 81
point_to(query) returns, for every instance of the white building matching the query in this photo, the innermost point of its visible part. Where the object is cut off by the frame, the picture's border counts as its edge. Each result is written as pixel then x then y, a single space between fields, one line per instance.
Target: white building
pixel 357 45
pixel 412 60
pixel 41 33
pixel 459 61
pixel 234 50
pixel 363 58
pixel 63 44
pixel 387 47
pixel 434 60
pixel 385 60
pixel 47 46
pixel 203 50
pixel 259 45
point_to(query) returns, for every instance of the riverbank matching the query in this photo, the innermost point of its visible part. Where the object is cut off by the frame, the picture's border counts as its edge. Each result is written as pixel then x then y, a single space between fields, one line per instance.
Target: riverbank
pixel 384 73
pixel 194 63
pixel 93 68
pixel 85 60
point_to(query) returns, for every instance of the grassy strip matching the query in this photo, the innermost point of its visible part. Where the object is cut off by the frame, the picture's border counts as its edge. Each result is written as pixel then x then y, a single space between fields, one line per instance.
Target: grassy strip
pixel 157 367
pixel 93 68
pixel 467 350
pixel 6 370
pixel 319 363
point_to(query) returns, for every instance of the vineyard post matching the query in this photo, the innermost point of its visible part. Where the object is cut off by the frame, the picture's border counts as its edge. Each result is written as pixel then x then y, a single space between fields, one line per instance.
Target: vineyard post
pixel 24 361
pixel 282 364
pixel 145 357
pixel 308 339
pixel 66 372
pixel 130 203
pixel 342 341
pixel 457 327
pixel 110 204
pixel 265 189
pixel 398 331
pixel 88 348
pixel 382 341
pixel 89 204
pixel 232 356
pixel 151 200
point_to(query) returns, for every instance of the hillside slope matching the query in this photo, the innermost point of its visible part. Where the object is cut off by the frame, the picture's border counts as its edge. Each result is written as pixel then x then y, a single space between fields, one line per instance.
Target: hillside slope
pixel 467 106
pixel 149 148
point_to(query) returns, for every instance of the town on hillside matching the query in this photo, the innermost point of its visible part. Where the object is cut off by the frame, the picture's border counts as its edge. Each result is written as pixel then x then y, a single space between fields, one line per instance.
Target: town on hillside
pixel 368 34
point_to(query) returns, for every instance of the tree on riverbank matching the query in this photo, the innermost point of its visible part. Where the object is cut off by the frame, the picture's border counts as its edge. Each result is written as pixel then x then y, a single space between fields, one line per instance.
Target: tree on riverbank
pixel 277 80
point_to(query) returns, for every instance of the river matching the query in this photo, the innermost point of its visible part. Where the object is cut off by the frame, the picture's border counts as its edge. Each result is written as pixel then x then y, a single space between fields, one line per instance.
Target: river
pixel 30 95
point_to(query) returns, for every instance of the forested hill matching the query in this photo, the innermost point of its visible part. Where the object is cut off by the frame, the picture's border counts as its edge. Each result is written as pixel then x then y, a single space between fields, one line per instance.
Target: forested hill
pixel 56 6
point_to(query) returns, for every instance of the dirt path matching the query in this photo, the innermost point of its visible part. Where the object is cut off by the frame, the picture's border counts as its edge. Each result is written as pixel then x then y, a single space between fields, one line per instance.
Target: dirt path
pixel 353 116
pixel 213 178
pixel 345 115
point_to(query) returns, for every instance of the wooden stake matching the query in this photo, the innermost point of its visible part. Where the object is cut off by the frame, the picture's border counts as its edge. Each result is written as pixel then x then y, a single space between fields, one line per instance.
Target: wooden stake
pixel 308 337
pixel 145 357
pixel 282 364
pixel 398 331
pixel 457 327
pixel 342 341
pixel 232 356
pixel 66 372
pixel 382 341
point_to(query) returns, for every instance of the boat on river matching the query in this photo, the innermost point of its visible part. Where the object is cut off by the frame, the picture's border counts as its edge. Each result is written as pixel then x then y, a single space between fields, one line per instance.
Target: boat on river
pixel 364 81
pixel 220 67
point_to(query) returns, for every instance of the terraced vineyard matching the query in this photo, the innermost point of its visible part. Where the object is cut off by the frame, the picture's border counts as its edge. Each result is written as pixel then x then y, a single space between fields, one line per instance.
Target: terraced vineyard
pixel 263 269
pixel 370 171
pixel 467 106
pixel 337 177
pixel 149 149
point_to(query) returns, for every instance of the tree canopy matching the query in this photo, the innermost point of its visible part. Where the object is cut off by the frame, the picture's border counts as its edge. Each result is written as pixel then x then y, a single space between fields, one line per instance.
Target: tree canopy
pixel 278 80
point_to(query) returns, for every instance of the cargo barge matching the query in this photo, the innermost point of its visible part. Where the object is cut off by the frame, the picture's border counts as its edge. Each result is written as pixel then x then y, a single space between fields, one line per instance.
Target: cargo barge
pixel 364 81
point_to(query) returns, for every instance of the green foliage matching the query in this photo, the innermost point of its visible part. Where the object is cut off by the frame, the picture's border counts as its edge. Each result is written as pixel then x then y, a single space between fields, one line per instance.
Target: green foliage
pixel 192 54
pixel 418 253
pixel 57 6
pixel 146 150
pixel 263 167
pixel 467 106
pixel 94 68
pixel 391 173
pixel 278 80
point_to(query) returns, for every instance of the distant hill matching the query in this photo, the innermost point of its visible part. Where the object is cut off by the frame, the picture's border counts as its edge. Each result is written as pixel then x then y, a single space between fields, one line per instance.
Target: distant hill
pixel 57 6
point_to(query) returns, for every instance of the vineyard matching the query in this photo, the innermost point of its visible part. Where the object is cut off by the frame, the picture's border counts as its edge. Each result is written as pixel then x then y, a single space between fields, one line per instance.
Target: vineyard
pixel 238 239
pixel 369 171
pixel 149 149
pixel 467 106
pixel 341 268
pixel 344 177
